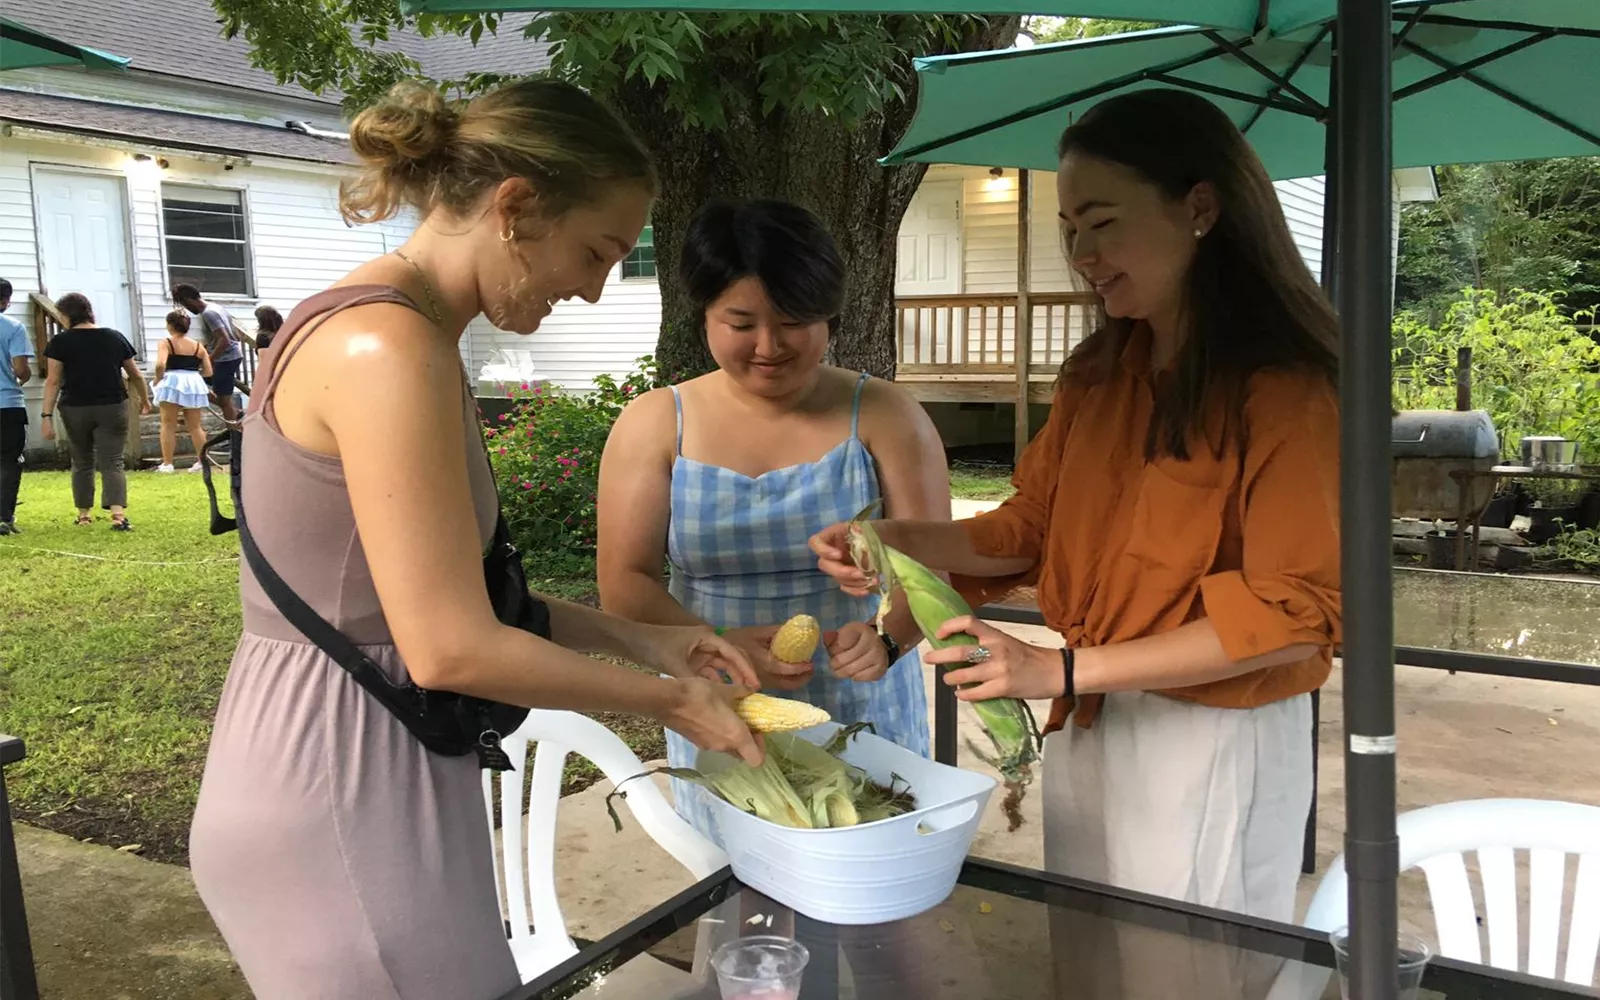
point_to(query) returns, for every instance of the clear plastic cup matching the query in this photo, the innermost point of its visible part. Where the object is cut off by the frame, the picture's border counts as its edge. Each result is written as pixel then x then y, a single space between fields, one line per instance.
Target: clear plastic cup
pixel 760 967
pixel 1414 955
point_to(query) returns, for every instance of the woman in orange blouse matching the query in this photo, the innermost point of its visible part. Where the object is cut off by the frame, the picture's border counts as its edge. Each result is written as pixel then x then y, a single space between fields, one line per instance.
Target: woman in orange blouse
pixel 1179 517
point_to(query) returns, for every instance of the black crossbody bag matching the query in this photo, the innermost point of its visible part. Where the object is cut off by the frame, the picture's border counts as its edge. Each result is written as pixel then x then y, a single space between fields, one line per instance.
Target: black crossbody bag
pixel 444 721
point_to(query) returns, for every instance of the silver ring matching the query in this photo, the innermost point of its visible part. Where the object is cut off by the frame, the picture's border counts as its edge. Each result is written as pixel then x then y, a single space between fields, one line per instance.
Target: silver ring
pixel 978 654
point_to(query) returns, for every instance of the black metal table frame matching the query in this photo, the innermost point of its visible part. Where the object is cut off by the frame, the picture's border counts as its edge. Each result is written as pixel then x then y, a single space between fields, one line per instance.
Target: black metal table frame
pixel 1456 979
pixel 1496 475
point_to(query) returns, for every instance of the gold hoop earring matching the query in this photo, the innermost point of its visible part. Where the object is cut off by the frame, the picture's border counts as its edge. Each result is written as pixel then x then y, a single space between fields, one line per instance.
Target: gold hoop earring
pixel 507 235
pixel 1199 233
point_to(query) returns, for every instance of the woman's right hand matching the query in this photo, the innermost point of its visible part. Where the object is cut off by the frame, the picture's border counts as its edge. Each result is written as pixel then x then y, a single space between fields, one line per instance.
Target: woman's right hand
pixel 48 430
pixel 756 643
pixel 832 548
pixel 702 712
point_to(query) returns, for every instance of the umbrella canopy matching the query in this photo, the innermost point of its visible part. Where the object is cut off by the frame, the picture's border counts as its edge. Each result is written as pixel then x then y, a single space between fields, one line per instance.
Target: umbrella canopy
pixel 22 47
pixel 1465 90
pixel 1241 15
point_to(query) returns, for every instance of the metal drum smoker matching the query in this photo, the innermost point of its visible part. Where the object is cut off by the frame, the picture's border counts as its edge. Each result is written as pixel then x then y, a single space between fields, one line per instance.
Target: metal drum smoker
pixel 1429 448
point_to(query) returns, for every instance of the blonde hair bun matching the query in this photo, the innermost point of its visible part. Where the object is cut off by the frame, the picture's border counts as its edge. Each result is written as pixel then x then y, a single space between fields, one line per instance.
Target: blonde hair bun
pixel 419 150
pixel 411 123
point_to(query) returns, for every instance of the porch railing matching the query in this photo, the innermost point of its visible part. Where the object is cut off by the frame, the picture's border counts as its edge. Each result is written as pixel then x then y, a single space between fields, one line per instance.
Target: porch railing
pixel 976 334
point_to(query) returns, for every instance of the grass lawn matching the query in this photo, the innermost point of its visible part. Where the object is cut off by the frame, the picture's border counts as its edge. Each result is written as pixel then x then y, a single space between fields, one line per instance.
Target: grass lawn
pixel 113 650
pixel 972 481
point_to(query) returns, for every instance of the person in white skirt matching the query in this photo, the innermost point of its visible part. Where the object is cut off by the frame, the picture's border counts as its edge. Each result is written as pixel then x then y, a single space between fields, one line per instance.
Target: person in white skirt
pixel 183 370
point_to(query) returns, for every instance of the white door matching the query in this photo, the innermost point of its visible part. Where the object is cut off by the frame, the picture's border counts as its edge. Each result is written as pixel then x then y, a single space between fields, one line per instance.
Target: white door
pixel 83 243
pixel 928 262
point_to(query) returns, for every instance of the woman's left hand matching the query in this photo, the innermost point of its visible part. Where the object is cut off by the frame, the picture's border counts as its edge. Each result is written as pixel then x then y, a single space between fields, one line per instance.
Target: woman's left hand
pixel 1014 669
pixel 696 651
pixel 856 653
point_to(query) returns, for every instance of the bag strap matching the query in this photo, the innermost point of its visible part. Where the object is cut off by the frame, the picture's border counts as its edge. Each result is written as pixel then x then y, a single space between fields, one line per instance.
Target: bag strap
pixel 402 701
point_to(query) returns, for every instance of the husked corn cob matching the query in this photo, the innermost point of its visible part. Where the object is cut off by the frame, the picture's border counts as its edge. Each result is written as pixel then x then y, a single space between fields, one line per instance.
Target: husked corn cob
pixel 796 641
pixel 766 714
pixel 932 602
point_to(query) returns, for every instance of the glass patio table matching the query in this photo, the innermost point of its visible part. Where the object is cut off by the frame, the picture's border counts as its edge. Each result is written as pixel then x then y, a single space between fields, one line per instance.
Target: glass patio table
pixel 1005 933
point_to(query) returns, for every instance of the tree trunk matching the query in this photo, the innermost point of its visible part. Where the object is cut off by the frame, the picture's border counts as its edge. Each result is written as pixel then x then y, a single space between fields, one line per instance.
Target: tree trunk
pixel 814 160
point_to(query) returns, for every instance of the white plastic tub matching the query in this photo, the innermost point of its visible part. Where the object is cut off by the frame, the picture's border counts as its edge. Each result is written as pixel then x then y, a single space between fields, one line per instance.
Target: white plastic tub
pixel 873 873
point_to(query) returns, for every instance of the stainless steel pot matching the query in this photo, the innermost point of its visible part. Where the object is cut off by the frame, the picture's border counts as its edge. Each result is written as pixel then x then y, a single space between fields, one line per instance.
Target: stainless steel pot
pixel 1547 452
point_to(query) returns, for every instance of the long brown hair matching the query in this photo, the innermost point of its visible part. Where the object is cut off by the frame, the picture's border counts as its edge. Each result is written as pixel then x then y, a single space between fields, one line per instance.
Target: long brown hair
pixel 1250 301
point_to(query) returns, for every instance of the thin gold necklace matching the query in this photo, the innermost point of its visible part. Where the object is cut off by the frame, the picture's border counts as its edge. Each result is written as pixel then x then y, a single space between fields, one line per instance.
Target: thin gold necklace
pixel 427 288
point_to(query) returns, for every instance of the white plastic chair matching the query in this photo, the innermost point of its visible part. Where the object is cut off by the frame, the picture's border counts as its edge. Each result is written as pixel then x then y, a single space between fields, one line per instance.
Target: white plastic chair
pixel 526 876
pixel 1436 840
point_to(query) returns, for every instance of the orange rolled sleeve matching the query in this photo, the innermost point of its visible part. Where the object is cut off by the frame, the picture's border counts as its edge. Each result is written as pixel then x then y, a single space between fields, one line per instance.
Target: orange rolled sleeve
pixel 1018 528
pixel 1286 592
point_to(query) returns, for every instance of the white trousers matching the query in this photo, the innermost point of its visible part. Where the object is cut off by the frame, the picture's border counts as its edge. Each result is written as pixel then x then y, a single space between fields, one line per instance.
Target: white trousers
pixel 1198 804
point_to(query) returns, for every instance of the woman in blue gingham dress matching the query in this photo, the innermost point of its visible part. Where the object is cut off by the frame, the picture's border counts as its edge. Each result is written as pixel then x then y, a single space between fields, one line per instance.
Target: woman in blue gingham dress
pixel 725 477
pixel 739 558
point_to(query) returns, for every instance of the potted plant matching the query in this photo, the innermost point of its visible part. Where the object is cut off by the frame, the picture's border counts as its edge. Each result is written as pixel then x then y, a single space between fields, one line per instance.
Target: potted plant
pixel 1555 504
pixel 1504 506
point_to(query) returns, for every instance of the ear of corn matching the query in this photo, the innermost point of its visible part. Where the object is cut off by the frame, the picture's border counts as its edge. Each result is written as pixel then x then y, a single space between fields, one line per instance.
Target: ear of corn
pixel 766 714
pixel 932 602
pixel 796 641
pixel 798 784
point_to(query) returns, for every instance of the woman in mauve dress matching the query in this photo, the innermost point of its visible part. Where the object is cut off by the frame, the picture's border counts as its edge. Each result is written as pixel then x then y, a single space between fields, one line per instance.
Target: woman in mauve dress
pixel 339 858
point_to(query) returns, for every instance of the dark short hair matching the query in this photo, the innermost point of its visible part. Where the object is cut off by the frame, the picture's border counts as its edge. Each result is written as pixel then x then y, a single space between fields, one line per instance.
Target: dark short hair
pixel 5 289
pixel 76 308
pixel 185 292
pixel 784 246
pixel 178 320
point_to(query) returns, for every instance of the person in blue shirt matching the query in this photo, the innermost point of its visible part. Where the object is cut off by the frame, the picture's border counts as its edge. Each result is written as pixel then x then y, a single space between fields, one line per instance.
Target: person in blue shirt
pixel 15 371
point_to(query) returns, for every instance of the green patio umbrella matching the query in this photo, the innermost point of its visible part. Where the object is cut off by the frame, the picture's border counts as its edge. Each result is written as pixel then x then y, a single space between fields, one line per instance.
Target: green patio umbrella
pixel 1237 14
pixel 22 47
pixel 1464 90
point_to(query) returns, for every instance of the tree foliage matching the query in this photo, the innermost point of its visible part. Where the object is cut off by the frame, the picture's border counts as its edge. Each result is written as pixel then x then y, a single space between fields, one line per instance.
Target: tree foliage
pixel 799 106
pixel 1504 226
pixel 1532 369
pixel 1046 30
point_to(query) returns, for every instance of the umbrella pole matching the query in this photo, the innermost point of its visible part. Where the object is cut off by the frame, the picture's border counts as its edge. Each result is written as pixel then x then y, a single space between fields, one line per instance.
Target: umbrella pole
pixel 1362 195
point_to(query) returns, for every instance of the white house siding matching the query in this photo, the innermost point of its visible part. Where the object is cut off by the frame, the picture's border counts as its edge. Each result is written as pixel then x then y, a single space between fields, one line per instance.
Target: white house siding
pixel 579 341
pixel 298 243
pixel 19 250
pixel 1302 201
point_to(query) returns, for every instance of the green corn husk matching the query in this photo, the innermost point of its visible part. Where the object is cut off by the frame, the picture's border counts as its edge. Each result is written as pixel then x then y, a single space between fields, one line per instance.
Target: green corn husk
pixel 1006 721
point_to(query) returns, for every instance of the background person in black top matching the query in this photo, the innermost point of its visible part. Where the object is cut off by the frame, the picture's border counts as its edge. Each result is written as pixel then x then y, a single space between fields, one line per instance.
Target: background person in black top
pixel 268 322
pixel 84 388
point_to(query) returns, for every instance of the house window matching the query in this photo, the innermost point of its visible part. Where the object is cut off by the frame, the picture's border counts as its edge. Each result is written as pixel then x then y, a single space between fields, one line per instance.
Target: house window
pixel 206 242
pixel 642 262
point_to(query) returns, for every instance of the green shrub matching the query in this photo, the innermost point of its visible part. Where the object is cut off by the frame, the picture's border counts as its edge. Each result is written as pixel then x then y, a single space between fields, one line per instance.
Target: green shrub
pixel 545 451
pixel 1532 369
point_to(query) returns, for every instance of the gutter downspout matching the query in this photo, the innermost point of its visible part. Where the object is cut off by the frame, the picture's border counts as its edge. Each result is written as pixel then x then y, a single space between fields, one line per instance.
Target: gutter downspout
pixel 305 128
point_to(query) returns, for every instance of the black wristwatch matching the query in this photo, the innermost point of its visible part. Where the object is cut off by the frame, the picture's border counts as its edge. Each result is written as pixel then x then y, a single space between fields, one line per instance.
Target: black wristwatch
pixel 893 647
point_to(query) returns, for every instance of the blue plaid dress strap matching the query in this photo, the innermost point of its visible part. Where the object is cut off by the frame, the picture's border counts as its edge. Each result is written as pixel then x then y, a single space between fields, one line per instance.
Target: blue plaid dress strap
pixel 738 554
